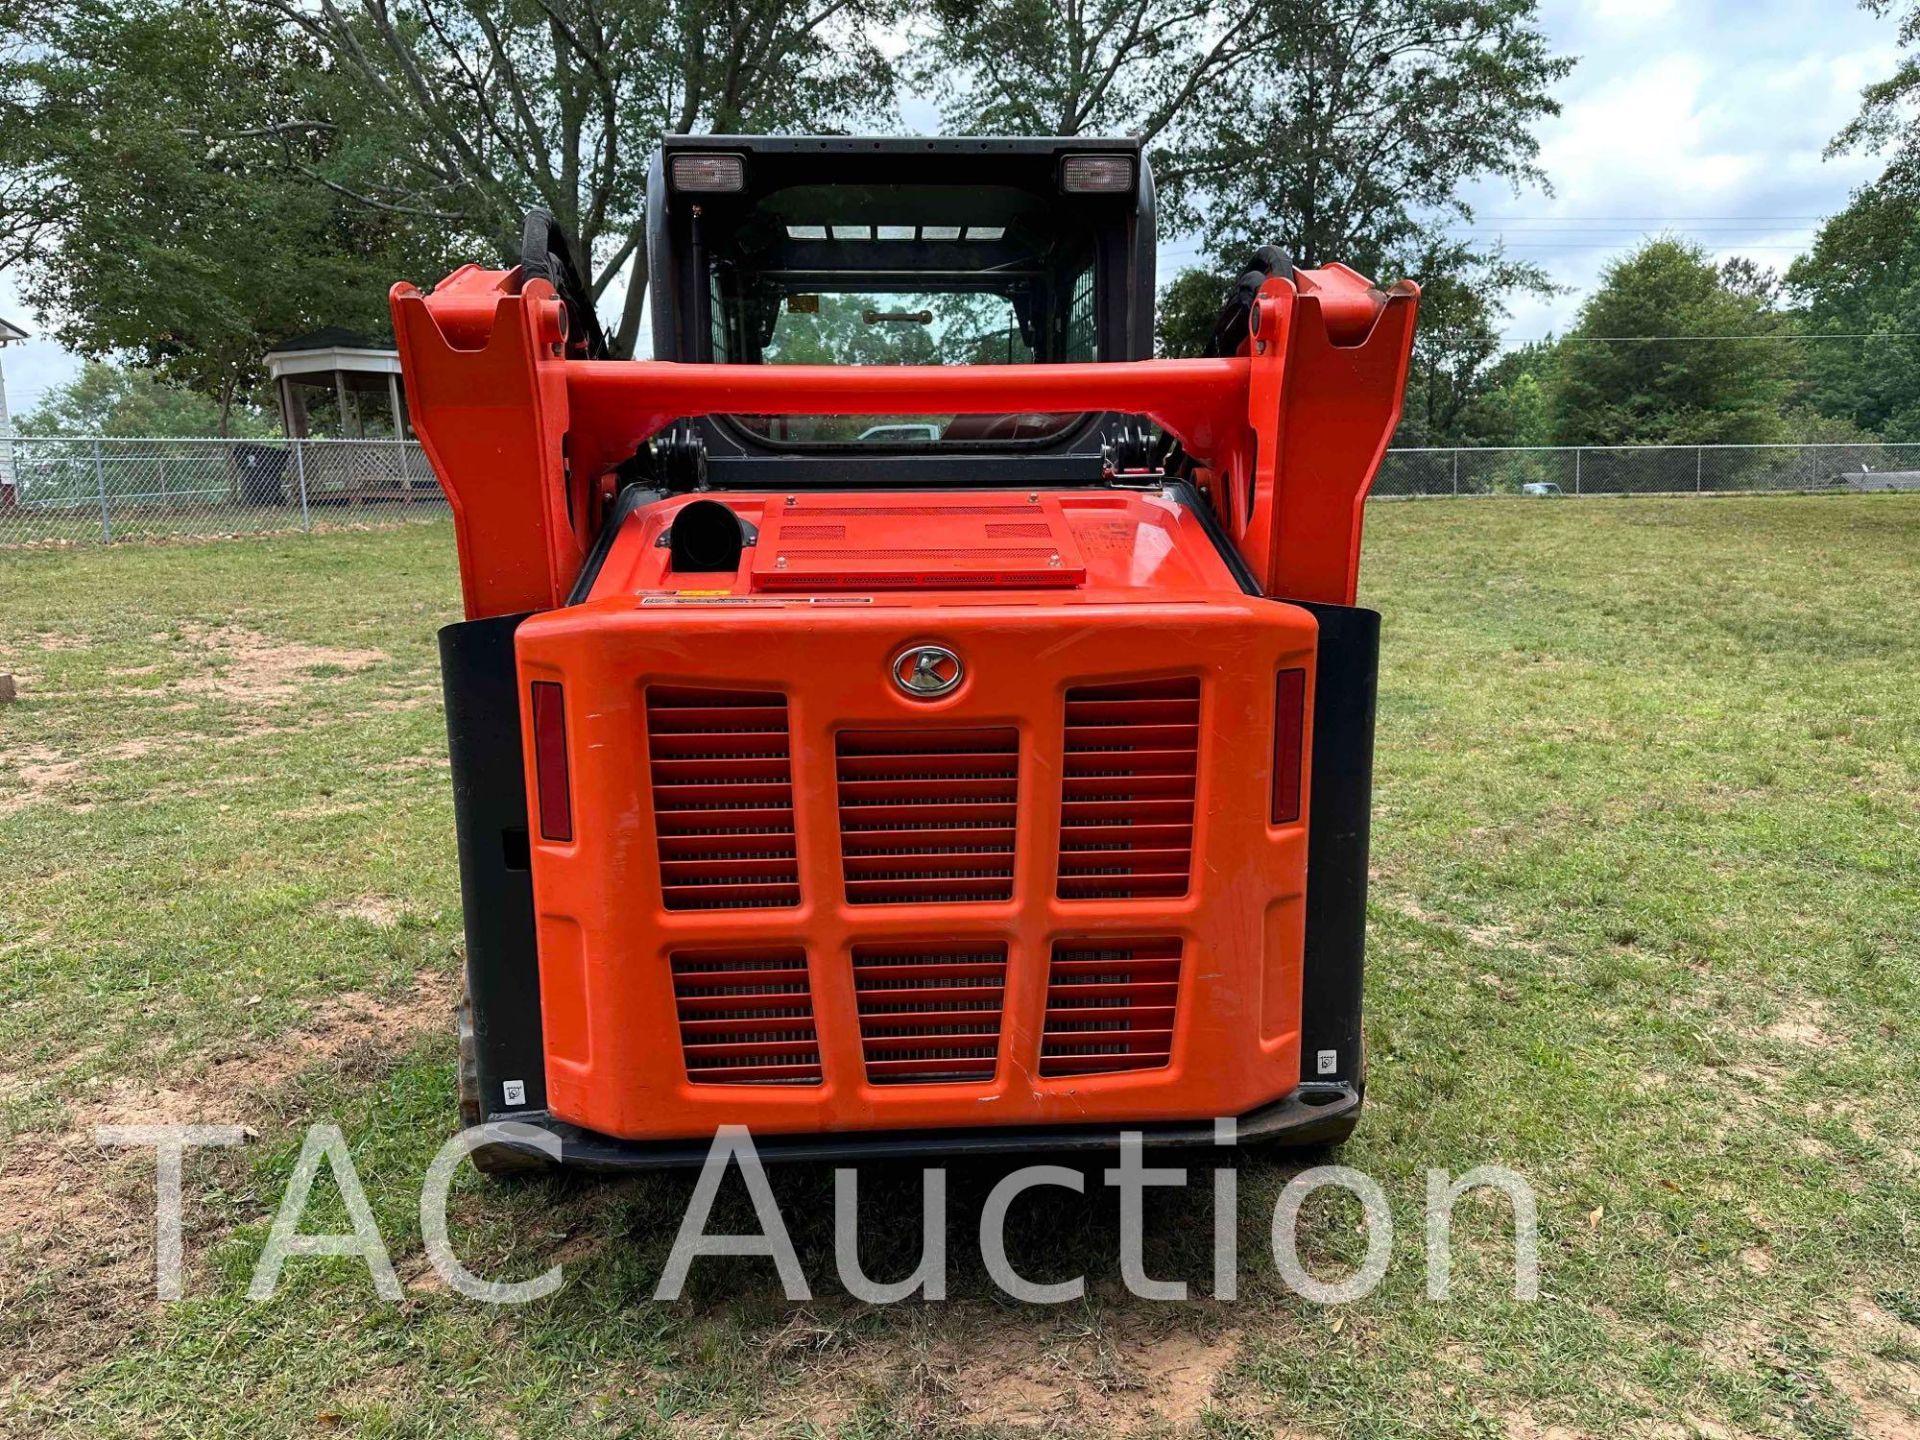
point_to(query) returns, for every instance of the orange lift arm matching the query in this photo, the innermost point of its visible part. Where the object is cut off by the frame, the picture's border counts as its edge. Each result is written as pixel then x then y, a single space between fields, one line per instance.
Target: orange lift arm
pixel 1288 434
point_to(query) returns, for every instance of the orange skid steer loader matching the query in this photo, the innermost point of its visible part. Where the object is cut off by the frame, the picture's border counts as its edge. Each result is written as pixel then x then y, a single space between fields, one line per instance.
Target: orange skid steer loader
pixel 902 717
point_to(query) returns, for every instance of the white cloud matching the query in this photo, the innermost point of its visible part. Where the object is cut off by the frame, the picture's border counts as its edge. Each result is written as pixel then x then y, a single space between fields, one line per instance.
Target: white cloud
pixel 1630 14
pixel 1712 124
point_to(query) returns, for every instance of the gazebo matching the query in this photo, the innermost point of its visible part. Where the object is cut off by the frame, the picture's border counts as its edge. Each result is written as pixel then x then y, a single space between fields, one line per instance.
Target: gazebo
pixel 341 380
pixel 344 389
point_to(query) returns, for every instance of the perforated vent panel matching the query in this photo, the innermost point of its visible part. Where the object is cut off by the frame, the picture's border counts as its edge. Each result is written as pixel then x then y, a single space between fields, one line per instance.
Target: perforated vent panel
pixel 927 815
pixel 746 1017
pixel 845 543
pixel 930 1012
pixel 1126 820
pixel 722 781
pixel 1110 1006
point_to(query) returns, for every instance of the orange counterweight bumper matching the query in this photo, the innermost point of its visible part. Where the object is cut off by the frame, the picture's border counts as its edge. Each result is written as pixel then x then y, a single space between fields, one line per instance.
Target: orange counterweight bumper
pixel 792 897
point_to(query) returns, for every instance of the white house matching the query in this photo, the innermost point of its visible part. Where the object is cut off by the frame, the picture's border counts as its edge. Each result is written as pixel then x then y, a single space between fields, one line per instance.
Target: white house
pixel 9 334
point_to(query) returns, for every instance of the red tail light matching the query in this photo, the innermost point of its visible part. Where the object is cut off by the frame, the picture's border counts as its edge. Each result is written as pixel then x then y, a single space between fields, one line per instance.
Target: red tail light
pixel 1289 738
pixel 550 761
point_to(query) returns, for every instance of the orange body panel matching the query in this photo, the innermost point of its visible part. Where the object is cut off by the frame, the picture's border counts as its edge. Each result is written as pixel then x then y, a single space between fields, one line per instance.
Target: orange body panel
pixel 1157 605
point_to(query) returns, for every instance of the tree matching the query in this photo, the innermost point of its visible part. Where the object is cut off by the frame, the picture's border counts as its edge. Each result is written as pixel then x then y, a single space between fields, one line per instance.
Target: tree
pixel 1512 402
pixel 491 107
pixel 1356 144
pixel 1188 307
pixel 1886 122
pixel 116 401
pixel 1357 141
pixel 1862 278
pixel 151 231
pixel 1648 362
pixel 1462 306
pixel 1074 67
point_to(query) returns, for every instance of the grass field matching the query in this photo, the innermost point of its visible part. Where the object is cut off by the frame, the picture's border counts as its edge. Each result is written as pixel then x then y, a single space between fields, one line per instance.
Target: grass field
pixel 1645 927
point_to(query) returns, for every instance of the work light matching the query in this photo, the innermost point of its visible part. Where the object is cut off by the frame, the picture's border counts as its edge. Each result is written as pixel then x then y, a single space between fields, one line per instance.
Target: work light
pixel 1096 174
pixel 709 173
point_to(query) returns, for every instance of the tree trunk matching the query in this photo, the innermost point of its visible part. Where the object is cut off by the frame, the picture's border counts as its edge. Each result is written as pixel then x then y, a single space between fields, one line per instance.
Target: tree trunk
pixel 628 335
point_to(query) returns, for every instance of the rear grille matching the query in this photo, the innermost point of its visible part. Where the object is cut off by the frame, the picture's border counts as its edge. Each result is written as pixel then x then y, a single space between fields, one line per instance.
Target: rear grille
pixel 930 1012
pixel 746 1017
pixel 926 815
pixel 1126 819
pixel 1110 1006
pixel 722 799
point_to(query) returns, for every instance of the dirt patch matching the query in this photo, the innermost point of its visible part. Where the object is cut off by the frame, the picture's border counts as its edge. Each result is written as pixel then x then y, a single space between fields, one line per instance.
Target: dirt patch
pixel 1808 1024
pixel 408 763
pixel 76 1221
pixel 1799 1032
pixel 1502 937
pixel 1756 1261
pixel 1523 1425
pixel 381 911
pixel 40 771
pixel 1885 1391
pixel 1882 1393
pixel 255 669
pixel 1125 1378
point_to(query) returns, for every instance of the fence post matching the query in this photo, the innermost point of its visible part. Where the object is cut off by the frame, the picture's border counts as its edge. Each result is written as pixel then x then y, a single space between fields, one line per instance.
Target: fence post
pixel 1699 457
pixel 1576 470
pixel 300 477
pixel 1456 472
pixel 100 485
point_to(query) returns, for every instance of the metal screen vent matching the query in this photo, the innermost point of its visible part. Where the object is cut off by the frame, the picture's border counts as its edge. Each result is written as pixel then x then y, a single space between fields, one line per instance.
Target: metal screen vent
pixel 930 1012
pixel 1126 815
pixel 746 1017
pixel 926 815
pixel 1110 1006
pixel 722 779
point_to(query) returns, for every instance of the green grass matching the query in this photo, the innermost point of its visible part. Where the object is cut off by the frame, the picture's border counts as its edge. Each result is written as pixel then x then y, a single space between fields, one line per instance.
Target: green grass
pixel 1645 927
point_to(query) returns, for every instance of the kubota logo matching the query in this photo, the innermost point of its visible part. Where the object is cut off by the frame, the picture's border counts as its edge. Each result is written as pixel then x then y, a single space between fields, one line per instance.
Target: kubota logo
pixel 927 671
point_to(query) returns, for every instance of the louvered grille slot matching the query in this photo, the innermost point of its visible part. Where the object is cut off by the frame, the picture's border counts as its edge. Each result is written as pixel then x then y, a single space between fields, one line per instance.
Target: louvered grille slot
pixel 722 781
pixel 927 815
pixel 746 1017
pixel 1126 820
pixel 930 1013
pixel 1110 1006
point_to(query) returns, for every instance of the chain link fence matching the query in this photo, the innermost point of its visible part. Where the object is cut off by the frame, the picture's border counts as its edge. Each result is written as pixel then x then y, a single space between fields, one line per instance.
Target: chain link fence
pixel 1648 470
pixel 87 489
pixel 91 489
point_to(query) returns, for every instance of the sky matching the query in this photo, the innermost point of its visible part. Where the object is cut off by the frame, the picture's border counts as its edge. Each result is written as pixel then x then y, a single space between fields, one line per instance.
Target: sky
pixel 1703 118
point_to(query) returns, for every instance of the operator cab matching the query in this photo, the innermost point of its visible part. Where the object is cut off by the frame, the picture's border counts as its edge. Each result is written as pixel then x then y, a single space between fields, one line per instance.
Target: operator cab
pixel 847 252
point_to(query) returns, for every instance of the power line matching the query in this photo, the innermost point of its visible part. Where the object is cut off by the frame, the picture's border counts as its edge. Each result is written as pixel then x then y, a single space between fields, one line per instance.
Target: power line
pixel 1643 339
pixel 1650 219
pixel 1631 230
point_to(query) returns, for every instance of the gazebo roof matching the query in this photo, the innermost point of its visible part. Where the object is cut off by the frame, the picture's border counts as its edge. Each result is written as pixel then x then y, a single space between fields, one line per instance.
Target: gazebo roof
pixel 333 348
pixel 10 332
